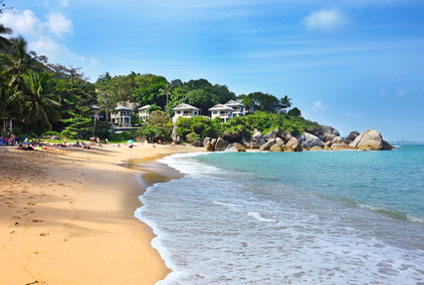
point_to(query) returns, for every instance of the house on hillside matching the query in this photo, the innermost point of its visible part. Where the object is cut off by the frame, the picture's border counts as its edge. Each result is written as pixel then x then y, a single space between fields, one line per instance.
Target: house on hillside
pixel 239 109
pixel 144 113
pixel 121 116
pixel 221 111
pixel 185 111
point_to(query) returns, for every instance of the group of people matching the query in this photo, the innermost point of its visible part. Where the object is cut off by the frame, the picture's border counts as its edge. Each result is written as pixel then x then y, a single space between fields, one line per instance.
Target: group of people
pixel 12 140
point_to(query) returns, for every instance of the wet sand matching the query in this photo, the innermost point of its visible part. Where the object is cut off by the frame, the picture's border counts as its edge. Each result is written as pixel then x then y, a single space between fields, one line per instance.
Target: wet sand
pixel 67 216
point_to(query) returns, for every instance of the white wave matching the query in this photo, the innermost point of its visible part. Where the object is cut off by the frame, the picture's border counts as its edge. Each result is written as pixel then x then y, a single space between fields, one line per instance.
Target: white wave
pixel 259 217
pixel 184 163
pixel 226 204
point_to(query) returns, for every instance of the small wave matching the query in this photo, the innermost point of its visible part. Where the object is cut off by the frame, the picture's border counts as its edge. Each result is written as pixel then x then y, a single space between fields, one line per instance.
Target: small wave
pixel 225 204
pixel 259 217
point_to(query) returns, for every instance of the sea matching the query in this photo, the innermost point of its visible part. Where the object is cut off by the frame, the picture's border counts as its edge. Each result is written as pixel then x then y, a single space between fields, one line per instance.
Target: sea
pixel 347 217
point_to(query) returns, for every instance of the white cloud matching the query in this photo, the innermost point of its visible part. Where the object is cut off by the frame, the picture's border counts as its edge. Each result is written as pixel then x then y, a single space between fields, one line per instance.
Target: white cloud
pixel 354 115
pixel 25 23
pixel 401 92
pixel 318 105
pixel 383 92
pixel 58 24
pixel 325 20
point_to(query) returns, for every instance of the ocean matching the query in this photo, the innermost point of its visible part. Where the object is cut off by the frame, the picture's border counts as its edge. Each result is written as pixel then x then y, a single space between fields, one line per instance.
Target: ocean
pixel 291 218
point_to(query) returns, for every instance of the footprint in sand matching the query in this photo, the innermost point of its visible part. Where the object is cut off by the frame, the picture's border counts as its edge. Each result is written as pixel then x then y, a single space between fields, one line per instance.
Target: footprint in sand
pixel 37 221
pixel 44 234
pixel 31 204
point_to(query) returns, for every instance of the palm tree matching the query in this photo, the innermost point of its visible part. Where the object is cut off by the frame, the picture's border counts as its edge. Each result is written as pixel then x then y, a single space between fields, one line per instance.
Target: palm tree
pixel 4 42
pixel 286 102
pixel 40 103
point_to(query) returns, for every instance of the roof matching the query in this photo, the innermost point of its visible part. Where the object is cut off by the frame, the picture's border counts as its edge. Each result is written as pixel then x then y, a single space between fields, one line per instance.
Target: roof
pixel 234 103
pixel 219 107
pixel 144 107
pixel 95 107
pixel 184 106
pixel 122 108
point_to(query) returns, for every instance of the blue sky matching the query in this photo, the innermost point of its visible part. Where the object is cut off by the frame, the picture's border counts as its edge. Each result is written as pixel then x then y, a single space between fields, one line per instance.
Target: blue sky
pixel 355 64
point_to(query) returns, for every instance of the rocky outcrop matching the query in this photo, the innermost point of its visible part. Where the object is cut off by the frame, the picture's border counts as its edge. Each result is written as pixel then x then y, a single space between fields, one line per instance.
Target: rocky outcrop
pixel 286 136
pixel 267 145
pixel 221 144
pixel 276 148
pixel 208 144
pixel 292 145
pixel 326 133
pixel 271 135
pixel 351 137
pixel 316 148
pixel 343 146
pixel 337 140
pixel 239 147
pixel 257 139
pixel 279 141
pixel 308 140
pixel 245 142
pixel 387 146
pixel 370 140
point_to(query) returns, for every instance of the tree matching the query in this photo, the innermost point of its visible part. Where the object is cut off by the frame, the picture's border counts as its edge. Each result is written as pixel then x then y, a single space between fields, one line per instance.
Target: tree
pixel 286 102
pixel 260 101
pixel 4 42
pixel 40 101
pixel 294 112
pixel 9 106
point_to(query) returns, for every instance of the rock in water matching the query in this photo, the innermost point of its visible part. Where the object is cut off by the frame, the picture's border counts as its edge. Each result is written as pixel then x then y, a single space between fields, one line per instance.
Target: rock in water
pixel 271 135
pixel 221 144
pixel 337 140
pixel 213 143
pixel 292 145
pixel 267 145
pixel 368 140
pixel 308 140
pixel 276 148
pixel 316 148
pixel 239 147
pixel 387 146
pixel 208 144
pixel 342 147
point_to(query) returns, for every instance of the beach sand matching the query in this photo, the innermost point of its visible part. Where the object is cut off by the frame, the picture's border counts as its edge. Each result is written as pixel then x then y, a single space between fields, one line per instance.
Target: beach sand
pixel 67 216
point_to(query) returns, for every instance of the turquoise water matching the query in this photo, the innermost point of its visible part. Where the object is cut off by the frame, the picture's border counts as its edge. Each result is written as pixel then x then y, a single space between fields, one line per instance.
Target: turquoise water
pixel 388 180
pixel 291 218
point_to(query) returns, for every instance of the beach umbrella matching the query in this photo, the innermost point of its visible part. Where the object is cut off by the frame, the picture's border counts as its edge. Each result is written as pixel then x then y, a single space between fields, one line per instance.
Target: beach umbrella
pixel 130 141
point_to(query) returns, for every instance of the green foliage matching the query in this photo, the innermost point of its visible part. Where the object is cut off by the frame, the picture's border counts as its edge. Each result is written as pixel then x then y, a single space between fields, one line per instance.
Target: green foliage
pixel 294 112
pixel 197 127
pixel 154 133
pixel 260 101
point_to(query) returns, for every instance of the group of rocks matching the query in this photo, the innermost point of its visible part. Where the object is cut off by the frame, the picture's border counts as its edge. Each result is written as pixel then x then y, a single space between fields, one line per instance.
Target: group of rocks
pixel 325 138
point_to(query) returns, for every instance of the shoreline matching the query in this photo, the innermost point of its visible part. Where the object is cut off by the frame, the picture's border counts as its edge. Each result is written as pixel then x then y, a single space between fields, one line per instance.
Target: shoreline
pixel 68 217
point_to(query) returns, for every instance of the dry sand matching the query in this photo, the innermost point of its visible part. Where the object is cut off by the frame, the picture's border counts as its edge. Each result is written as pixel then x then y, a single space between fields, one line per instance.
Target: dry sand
pixel 67 217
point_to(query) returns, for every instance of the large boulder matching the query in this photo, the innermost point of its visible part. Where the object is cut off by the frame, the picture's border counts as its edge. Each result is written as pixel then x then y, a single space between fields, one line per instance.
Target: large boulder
pixel 387 146
pixel 221 144
pixel 208 144
pixel 230 148
pixel 326 133
pixel 271 135
pixel 316 148
pixel 337 140
pixel 239 147
pixel 368 140
pixel 286 136
pixel 245 142
pixel 351 137
pixel 292 145
pixel 279 141
pixel 276 148
pixel 327 145
pixel 308 140
pixel 257 139
pixel 267 145
pixel 197 143
pixel 342 146
pixel 231 137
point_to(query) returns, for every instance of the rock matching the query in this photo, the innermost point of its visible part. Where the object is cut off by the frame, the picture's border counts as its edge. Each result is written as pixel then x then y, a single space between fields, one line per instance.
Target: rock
pixel 276 148
pixel 342 146
pixel 326 133
pixel 316 148
pixel 351 137
pixel 337 140
pixel 257 139
pixel 239 147
pixel 267 145
pixel 245 142
pixel 231 137
pixel 197 143
pixel 387 146
pixel 368 140
pixel 230 148
pixel 213 143
pixel 174 135
pixel 208 144
pixel 221 144
pixel 327 145
pixel 292 145
pixel 271 135
pixel 279 141
pixel 286 136
pixel 308 140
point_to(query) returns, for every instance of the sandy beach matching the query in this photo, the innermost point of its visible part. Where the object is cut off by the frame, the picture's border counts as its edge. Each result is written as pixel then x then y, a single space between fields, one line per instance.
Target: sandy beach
pixel 67 216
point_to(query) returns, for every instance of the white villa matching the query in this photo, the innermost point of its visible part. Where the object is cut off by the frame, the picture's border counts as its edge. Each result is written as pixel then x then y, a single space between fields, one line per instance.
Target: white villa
pixel 224 112
pixel 239 109
pixel 143 113
pixel 185 111
pixel 122 116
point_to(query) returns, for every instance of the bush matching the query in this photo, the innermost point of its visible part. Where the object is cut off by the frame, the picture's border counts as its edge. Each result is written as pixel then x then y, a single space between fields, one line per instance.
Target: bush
pixel 200 126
